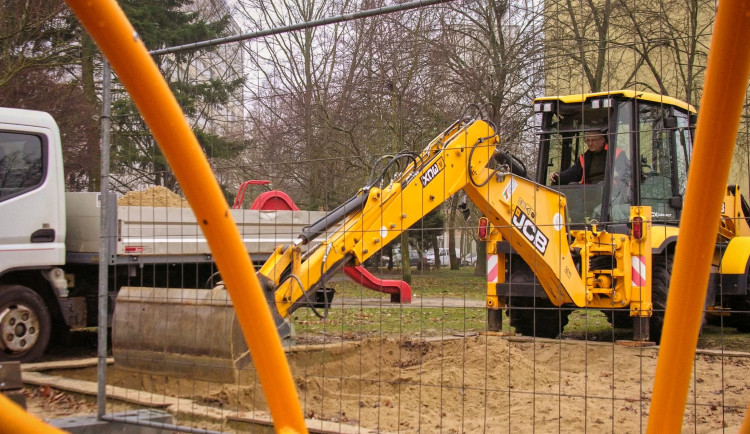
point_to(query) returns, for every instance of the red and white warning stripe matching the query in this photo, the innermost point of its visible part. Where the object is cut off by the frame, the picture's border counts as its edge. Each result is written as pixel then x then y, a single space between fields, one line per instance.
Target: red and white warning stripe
pixel 639 270
pixel 492 268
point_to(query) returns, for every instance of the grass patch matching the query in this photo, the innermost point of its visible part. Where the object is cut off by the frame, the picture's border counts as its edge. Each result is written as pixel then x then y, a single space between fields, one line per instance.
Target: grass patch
pixel 727 338
pixel 593 325
pixel 411 320
pixel 393 321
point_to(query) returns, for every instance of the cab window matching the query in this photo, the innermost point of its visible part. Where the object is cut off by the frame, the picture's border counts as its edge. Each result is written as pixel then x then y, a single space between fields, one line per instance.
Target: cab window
pixel 621 194
pixel 684 149
pixel 21 163
pixel 562 139
pixel 655 160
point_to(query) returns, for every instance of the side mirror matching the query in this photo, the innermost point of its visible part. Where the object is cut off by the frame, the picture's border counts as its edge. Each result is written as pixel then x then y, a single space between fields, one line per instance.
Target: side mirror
pixel 676 202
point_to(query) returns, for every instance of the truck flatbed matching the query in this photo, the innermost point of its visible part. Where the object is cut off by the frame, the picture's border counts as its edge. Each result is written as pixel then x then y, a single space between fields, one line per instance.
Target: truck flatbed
pixel 146 234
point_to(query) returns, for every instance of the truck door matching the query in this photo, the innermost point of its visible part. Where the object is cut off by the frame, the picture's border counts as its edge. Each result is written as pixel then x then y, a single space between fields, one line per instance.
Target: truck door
pixel 31 215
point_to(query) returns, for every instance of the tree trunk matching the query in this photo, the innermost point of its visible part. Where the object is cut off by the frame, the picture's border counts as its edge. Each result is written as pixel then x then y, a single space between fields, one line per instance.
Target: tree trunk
pixel 405 265
pixel 455 261
pixel 388 250
pixel 481 268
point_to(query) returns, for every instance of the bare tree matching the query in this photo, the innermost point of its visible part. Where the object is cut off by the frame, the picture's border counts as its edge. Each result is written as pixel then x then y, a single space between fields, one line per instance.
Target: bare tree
pixel 493 52
pixel 37 89
pixel 577 37
pixel 295 71
pixel 34 34
pixel 670 41
pixel 40 51
pixel 611 44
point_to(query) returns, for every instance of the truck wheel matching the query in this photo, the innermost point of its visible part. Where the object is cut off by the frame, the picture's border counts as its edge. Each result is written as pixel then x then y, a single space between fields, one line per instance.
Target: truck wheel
pixel 660 276
pixel 494 320
pixel 541 319
pixel 24 324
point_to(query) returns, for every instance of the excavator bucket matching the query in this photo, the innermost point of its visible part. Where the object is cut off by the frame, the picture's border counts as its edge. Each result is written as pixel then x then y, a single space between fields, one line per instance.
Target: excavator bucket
pixel 154 331
pixel 194 333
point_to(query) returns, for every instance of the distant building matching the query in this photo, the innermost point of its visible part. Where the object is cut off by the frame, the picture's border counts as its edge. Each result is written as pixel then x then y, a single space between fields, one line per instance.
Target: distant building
pixel 226 63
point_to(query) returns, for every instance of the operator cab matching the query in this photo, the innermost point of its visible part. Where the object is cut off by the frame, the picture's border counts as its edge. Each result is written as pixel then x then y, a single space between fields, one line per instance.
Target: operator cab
pixel 655 128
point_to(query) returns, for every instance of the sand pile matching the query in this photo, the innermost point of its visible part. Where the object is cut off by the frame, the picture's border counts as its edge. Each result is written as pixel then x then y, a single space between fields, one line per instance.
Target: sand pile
pixel 154 196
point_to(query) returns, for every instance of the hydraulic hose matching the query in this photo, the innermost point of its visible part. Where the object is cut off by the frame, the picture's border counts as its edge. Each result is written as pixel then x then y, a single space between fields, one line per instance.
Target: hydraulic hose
pixel 331 219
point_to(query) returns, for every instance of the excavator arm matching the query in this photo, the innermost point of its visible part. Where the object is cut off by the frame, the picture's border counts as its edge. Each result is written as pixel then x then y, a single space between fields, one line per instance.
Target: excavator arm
pixel 530 216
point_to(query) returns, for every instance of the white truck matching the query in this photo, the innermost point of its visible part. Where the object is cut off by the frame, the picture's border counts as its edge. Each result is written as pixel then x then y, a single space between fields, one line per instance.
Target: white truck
pixel 49 241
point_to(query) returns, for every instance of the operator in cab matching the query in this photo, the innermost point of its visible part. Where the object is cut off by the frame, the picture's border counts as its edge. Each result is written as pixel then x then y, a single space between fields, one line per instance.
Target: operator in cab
pixel 589 167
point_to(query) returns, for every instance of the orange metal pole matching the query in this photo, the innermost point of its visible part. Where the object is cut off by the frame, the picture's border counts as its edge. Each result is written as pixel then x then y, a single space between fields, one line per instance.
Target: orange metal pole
pixel 718 122
pixel 116 38
pixel 745 428
pixel 15 420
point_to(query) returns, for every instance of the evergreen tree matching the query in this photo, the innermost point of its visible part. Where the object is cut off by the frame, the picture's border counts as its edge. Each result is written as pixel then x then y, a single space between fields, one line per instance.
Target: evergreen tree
pixel 200 81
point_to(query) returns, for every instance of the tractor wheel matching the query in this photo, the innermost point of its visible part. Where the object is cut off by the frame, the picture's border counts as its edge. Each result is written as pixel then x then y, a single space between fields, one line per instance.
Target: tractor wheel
pixel 537 317
pixel 620 318
pixel 660 277
pixel 740 314
pixel 24 324
pixel 534 316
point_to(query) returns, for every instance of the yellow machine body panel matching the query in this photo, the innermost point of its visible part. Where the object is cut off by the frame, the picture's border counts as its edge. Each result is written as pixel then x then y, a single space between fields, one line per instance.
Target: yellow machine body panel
pixel 735 258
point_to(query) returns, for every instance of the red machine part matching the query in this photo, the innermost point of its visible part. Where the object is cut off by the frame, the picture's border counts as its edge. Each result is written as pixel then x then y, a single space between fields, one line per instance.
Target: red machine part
pixel 274 200
pixel 400 291
pixel 241 191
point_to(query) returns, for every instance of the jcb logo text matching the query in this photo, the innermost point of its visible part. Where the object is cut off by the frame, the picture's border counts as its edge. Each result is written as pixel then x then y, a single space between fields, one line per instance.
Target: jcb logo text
pixel 522 222
pixel 432 172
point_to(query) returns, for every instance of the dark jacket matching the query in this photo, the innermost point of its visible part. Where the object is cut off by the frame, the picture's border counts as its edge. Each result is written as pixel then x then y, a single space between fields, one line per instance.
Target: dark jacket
pixel 583 171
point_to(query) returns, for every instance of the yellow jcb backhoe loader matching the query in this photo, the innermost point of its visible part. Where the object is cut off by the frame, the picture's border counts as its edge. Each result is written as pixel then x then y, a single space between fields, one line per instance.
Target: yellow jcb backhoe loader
pixel 649 140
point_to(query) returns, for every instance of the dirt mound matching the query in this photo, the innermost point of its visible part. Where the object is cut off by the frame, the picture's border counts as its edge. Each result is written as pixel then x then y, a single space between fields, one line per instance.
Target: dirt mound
pixel 484 384
pixel 154 196
pixel 475 384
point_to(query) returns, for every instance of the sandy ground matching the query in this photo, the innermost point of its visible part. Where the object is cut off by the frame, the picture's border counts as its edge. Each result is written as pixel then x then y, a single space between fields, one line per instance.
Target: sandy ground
pixel 49 403
pixel 470 384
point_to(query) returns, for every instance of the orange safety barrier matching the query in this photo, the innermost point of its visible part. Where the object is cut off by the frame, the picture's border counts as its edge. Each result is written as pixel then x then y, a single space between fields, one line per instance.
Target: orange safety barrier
pixel 15 420
pixel 745 428
pixel 116 38
pixel 718 123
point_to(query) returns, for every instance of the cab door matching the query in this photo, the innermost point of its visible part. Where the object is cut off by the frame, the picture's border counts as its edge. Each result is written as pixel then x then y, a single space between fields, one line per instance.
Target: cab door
pixel 663 163
pixel 32 232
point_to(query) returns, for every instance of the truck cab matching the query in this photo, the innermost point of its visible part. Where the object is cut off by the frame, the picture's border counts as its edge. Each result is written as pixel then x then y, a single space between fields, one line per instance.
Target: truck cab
pixel 32 230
